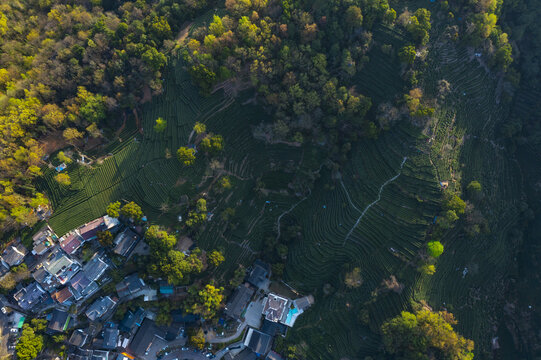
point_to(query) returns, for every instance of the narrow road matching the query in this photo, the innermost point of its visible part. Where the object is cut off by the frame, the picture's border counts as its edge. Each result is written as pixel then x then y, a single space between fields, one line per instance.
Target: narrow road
pixel 221 340
pixel 375 201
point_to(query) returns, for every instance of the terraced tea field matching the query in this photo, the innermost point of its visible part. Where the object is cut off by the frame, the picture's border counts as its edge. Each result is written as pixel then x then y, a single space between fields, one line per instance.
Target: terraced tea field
pixel 373 214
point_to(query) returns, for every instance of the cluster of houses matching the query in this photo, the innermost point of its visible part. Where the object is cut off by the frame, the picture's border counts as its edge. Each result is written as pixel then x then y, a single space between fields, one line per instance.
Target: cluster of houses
pixel 64 285
pixel 68 272
pixel 278 313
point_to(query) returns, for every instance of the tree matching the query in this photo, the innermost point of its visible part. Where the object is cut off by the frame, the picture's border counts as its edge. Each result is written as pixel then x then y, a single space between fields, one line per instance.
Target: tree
pixel 113 209
pixel 212 144
pixel 39 200
pixel 154 59
pixel 455 203
pixel 238 276
pixel 199 128
pixel 474 187
pixel 428 269
pixel 197 340
pixel 186 155
pixel 354 16
pixel 160 125
pixel 53 116
pixel 91 106
pixel 216 258
pixel 435 249
pixel 132 210
pixel 201 205
pixel 30 344
pixel 407 54
pixel 159 240
pixel 206 301
pixel 72 134
pixel 354 278
pixel 63 158
pixel 225 183
pixel 425 335
pixel 105 238
pixel 63 179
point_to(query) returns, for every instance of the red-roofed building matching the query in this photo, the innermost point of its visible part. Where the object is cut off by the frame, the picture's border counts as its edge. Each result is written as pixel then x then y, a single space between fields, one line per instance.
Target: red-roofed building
pixel 70 243
pixel 90 230
pixel 62 295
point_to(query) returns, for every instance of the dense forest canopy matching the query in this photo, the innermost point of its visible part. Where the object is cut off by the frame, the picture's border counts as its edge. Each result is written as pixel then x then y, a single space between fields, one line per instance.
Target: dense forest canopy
pixel 66 66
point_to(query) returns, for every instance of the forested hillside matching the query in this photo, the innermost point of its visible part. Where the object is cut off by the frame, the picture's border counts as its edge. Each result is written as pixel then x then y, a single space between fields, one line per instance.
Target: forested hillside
pixel 383 156
pixel 69 70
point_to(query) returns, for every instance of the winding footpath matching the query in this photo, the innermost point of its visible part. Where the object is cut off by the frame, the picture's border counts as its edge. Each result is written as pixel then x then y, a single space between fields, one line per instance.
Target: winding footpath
pixel 375 201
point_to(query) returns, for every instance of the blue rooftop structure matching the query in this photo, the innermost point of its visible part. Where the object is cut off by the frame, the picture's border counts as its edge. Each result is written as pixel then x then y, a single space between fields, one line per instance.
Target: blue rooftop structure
pixel 61 167
pixel 167 289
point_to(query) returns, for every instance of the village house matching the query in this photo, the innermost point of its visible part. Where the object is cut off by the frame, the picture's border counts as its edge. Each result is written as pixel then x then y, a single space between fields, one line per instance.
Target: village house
pixel 132 320
pixel 89 231
pixel 260 275
pixel 132 287
pixel 58 322
pixel 273 356
pixel 285 311
pixel 29 296
pixel 148 336
pixel 238 301
pixel 82 286
pixel 100 307
pixel 60 266
pixel 13 255
pixel 95 268
pixel 43 240
pixel 71 242
pixel 78 338
pixel 257 341
pixel 125 242
pixel 275 307
pixel 110 337
pixel 63 296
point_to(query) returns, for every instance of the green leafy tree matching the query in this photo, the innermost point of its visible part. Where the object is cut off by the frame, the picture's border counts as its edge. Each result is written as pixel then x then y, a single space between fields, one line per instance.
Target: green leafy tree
pixel 407 54
pixel 201 205
pixel 216 258
pixel 474 188
pixel 197 339
pixel 212 144
pixel 225 183
pixel 159 240
pixel 353 278
pixel 206 301
pixel 455 203
pixel 92 106
pixel 199 128
pixel 186 155
pixel 434 248
pixel 425 335
pixel 72 134
pixel 427 269
pixel 160 125
pixel 354 16
pixel 132 210
pixel 105 238
pixel 113 209
pixel 63 158
pixel 154 59
pixel 63 179
pixel 30 343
